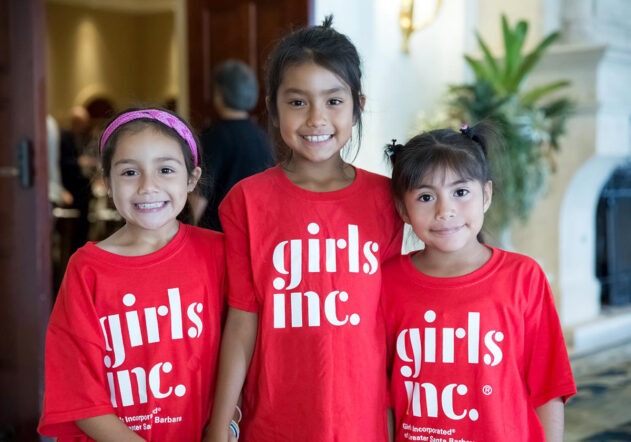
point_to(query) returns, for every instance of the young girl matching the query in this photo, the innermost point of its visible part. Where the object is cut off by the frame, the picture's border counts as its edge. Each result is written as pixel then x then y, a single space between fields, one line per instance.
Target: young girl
pixel 133 339
pixel 478 352
pixel 304 243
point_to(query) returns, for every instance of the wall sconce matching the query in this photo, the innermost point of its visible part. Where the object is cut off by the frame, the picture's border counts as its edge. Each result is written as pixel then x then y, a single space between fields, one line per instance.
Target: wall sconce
pixel 406 18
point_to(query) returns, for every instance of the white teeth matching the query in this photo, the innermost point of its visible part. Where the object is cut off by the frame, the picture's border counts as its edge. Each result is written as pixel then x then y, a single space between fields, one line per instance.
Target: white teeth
pixel 317 138
pixel 149 205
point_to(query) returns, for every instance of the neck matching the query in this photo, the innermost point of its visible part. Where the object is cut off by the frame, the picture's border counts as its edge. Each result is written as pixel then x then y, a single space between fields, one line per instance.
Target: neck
pixel 131 240
pixel 320 177
pixel 439 264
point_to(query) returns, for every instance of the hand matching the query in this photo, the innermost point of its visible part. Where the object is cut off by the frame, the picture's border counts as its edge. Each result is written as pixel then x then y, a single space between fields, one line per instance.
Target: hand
pixel 222 437
pixel 108 428
pixel 66 198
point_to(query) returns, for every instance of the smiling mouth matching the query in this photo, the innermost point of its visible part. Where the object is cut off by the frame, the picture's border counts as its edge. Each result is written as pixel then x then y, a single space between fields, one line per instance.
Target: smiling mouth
pixel 447 231
pixel 149 206
pixel 317 138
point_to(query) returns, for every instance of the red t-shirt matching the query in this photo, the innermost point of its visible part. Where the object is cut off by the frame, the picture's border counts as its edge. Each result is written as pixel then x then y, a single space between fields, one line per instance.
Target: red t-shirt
pixel 137 337
pixel 473 356
pixel 310 264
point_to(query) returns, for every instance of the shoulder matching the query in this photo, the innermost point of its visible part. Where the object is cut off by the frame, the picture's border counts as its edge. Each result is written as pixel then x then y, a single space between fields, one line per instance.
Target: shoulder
pixel 204 246
pixel 518 265
pixel 255 188
pixel 84 254
pixel 515 258
pixel 86 264
pixel 399 279
pixel 395 264
pixel 375 184
pixel 199 234
pixel 374 187
pixel 373 177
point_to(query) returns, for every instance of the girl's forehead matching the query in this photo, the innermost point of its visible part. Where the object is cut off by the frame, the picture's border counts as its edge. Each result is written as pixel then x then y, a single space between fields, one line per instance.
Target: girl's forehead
pixel 310 75
pixel 147 142
pixel 442 174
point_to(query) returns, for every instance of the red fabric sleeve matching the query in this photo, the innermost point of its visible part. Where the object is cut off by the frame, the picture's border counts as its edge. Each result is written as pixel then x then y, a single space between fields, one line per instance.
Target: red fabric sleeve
pixel 241 288
pixel 76 384
pixel 394 246
pixel 548 373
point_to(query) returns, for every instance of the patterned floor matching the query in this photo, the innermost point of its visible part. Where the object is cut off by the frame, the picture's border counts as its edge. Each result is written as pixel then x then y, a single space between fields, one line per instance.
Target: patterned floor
pixel 601 411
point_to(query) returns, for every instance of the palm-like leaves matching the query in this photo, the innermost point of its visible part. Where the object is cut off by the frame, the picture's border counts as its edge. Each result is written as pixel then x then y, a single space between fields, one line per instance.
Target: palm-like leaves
pixel 532 122
pixel 507 75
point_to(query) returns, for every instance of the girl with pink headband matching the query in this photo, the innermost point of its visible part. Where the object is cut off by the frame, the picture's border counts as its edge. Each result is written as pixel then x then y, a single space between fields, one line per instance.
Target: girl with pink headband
pixel 132 342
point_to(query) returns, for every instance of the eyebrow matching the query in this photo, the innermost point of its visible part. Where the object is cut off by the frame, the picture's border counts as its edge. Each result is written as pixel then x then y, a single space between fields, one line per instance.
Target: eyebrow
pixel 453 183
pixel 156 160
pixel 334 90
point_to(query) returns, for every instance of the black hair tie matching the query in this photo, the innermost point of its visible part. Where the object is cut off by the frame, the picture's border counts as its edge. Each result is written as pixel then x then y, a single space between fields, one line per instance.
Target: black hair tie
pixel 466 131
pixel 394 148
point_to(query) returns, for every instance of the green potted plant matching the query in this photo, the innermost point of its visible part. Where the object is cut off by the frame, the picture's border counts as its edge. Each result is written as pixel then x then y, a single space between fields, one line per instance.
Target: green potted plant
pixel 532 121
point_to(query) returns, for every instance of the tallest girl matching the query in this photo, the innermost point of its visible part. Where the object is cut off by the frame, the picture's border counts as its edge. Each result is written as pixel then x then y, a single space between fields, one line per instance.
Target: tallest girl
pixel 305 240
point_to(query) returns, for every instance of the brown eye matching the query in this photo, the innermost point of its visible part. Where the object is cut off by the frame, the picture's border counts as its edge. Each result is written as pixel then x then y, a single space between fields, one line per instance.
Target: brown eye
pixel 461 192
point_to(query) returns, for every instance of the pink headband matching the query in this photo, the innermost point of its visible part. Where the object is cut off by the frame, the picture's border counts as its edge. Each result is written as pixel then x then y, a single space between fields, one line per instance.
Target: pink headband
pixel 153 114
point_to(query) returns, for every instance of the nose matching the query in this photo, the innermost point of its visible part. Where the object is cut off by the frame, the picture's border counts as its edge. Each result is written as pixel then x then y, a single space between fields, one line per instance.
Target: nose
pixel 147 184
pixel 316 117
pixel 445 209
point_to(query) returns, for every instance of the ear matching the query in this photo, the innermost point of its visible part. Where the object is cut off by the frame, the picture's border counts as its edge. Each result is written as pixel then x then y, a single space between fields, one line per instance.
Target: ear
pixel 487 195
pixel 108 186
pixel 193 179
pixel 362 104
pixel 403 213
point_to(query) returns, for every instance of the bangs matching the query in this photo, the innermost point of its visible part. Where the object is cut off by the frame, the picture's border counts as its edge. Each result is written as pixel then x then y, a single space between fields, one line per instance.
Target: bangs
pixel 440 160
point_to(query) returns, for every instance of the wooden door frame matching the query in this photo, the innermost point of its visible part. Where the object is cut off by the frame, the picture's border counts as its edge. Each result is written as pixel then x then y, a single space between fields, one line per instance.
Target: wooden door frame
pixel 25 247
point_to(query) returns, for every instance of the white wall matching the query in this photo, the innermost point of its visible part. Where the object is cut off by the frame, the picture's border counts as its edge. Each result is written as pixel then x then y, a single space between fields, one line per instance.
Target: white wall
pixel 490 11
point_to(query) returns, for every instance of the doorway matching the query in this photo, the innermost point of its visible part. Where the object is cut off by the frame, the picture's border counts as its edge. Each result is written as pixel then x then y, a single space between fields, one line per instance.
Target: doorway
pixel 102 57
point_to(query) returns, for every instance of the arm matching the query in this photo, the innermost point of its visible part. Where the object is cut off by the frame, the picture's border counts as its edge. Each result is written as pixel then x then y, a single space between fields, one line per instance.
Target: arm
pixel 551 414
pixel 106 428
pixel 237 346
pixel 549 372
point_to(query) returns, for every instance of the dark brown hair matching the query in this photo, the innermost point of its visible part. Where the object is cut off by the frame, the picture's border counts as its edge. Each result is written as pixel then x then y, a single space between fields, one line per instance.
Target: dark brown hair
pixel 464 152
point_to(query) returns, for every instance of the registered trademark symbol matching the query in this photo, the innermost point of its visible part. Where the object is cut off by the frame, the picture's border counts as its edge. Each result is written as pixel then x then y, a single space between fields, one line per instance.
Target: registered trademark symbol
pixel 487 390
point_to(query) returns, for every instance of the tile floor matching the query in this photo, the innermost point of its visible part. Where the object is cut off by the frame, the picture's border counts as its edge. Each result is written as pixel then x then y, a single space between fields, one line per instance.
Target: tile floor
pixel 601 411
